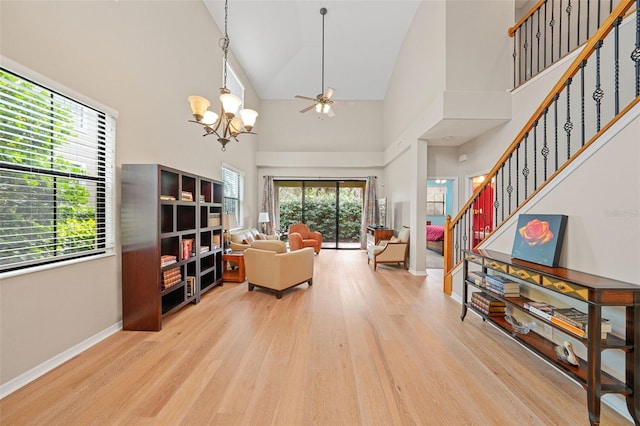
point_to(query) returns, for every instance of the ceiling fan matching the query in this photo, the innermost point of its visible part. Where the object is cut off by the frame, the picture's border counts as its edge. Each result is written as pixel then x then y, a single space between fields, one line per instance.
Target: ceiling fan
pixel 322 102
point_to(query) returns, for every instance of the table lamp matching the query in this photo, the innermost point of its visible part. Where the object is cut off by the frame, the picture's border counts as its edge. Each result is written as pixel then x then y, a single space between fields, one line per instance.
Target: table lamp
pixel 263 218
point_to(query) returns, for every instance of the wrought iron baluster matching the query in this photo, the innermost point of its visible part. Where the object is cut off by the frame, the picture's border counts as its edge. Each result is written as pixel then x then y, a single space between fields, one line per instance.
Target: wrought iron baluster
pixel 526 47
pixel 616 64
pixel 502 193
pixel 635 54
pixel 514 54
pixel 578 34
pixel 560 31
pixel 598 93
pixel 538 38
pixel 496 203
pixel 509 187
pixel 568 10
pixel 530 20
pixel 555 125
pixel 545 33
pixel 588 21
pixel 525 169
pixel 552 23
pixel 545 147
pixel 517 175
pixel 568 125
pixel 535 155
pixel 583 64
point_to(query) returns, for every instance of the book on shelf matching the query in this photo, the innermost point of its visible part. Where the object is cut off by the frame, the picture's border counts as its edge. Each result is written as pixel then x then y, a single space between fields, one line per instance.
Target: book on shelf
pixel 166 260
pixel 186 196
pixel 171 277
pixel 579 319
pixel 486 298
pixel 503 293
pixel 546 311
pixel 201 198
pixel 191 286
pixel 477 277
pixel 214 219
pixel 204 249
pixel 187 248
pixel 167 197
pixel 499 282
pixel 490 312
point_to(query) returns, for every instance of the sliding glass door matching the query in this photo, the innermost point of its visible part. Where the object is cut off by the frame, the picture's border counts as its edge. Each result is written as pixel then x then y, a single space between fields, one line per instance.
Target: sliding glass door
pixel 331 207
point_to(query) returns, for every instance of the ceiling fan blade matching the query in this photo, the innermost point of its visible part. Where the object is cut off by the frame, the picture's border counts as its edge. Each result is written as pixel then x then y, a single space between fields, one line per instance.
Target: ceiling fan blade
pixel 306 98
pixel 329 92
pixel 309 108
pixel 345 103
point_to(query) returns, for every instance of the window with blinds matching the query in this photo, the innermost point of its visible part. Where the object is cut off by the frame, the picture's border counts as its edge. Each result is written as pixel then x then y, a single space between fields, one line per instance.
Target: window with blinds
pixel 232 203
pixel 56 176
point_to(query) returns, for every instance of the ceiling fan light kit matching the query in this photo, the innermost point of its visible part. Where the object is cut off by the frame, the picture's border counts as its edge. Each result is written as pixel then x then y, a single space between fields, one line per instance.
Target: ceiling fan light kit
pixel 322 102
pixel 229 123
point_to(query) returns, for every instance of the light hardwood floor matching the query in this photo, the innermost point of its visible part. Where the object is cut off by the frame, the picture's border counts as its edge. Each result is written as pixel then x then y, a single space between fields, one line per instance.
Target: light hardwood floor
pixel 357 348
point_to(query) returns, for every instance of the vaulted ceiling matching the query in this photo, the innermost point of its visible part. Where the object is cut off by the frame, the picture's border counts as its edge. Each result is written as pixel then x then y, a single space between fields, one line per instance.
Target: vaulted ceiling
pixel 279 44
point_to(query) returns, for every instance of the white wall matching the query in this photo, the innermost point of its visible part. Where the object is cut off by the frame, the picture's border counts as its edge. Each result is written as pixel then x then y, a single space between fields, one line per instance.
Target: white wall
pixel 123 55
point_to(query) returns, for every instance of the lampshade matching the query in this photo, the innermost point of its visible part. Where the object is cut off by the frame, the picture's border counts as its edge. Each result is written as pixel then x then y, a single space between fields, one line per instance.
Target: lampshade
pixel 263 217
pixel 210 118
pixel 229 221
pixel 249 117
pixel 235 127
pixel 230 103
pixel 199 106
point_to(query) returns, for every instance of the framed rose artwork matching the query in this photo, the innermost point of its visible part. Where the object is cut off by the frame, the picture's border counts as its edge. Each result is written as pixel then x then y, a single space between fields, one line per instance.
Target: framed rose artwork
pixel 539 238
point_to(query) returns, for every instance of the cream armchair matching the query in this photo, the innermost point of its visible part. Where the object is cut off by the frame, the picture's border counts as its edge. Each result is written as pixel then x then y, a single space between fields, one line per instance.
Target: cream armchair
pixel 391 251
pixel 242 239
pixel 276 269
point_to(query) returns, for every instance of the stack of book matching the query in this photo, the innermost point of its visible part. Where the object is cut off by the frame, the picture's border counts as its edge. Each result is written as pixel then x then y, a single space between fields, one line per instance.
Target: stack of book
pixel 167 197
pixel 214 219
pixel 191 286
pixel 487 304
pixel 186 196
pixel 171 277
pixel 167 259
pixel 502 286
pixel 477 277
pixel 569 319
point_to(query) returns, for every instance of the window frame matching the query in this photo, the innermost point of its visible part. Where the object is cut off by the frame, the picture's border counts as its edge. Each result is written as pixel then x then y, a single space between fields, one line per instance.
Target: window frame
pixel 238 201
pixel 103 201
pixel 233 83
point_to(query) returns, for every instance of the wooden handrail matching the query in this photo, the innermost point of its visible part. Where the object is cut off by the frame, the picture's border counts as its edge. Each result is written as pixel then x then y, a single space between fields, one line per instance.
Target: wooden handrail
pixel 511 31
pixel 572 70
pixel 590 47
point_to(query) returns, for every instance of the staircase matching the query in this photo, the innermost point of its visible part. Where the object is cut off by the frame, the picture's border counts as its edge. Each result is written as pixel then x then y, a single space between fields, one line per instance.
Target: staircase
pixel 598 88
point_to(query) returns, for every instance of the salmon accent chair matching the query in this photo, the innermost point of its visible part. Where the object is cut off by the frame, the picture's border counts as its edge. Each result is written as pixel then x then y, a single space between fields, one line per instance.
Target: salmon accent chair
pixel 295 241
pixel 394 250
pixel 273 268
pixel 310 238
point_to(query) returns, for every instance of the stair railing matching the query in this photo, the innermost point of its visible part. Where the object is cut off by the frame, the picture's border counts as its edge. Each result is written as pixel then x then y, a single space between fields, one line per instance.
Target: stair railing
pixel 550 30
pixel 598 88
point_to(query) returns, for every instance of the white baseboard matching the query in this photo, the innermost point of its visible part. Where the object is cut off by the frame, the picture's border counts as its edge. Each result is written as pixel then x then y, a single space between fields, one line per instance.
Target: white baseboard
pixel 40 370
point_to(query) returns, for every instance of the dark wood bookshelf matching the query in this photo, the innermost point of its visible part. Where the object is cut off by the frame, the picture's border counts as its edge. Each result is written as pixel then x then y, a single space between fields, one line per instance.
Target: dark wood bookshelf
pixel 594 293
pixel 153 226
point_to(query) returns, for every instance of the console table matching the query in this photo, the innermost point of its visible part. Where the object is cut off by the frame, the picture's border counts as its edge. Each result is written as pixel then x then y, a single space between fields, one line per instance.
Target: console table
pixel 593 292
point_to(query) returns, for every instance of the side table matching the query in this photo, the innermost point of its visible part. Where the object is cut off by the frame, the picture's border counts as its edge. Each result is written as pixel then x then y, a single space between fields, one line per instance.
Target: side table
pixel 235 273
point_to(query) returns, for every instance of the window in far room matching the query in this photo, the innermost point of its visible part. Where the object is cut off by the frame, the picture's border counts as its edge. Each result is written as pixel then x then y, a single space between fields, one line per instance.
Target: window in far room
pixel 436 200
pixel 233 182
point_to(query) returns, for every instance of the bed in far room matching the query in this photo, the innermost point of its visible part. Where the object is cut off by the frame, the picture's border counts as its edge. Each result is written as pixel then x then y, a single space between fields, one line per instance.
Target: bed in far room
pixel 435 237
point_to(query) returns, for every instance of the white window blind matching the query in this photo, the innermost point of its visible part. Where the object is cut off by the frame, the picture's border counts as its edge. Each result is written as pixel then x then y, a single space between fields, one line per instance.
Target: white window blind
pixel 56 176
pixel 232 183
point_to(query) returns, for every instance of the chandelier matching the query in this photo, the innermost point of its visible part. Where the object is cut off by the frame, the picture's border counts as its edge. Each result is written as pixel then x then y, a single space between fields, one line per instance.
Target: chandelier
pixel 229 123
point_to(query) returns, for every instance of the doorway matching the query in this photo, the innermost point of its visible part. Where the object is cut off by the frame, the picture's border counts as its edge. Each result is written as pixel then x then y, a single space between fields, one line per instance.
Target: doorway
pixel 331 207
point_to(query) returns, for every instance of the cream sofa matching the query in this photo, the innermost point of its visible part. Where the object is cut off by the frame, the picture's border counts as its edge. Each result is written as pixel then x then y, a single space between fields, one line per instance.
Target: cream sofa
pixel 241 239
pixel 270 266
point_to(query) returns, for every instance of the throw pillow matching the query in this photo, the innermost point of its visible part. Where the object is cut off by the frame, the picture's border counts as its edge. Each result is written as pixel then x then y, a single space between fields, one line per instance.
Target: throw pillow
pixel 249 239
pixel 394 240
pixel 260 237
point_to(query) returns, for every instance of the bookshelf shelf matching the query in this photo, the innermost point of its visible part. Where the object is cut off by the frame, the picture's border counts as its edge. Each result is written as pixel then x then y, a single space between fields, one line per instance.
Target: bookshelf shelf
pixel 161 215
pixel 592 291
